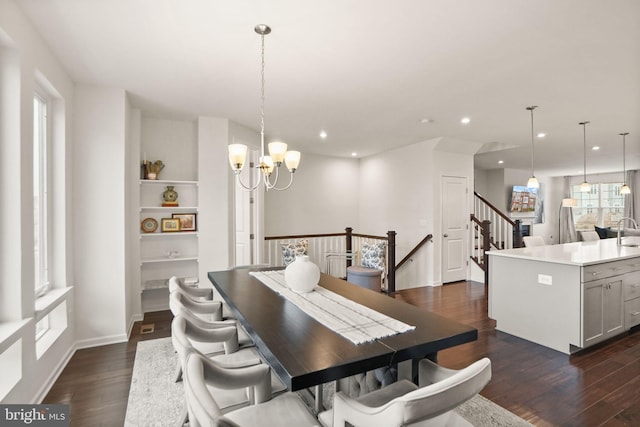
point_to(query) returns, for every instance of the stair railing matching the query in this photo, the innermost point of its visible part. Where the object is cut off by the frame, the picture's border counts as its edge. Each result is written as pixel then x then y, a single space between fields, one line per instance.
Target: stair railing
pixel 505 233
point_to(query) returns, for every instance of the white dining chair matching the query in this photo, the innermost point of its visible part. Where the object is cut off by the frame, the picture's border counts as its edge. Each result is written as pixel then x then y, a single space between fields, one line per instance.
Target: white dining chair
pixel 194 292
pixel 212 338
pixel 197 294
pixel 228 397
pixel 203 406
pixel 530 241
pixel 405 404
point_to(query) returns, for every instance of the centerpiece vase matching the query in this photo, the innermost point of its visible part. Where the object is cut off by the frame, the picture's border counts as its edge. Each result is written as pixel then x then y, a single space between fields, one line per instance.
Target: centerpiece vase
pixel 302 275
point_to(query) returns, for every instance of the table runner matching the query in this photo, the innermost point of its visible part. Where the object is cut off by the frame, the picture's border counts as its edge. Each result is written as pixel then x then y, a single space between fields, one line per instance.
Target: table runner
pixel 355 322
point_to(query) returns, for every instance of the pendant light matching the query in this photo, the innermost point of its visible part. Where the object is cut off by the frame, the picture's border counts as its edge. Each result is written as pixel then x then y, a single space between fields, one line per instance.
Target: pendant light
pixel 625 188
pixel 278 154
pixel 585 187
pixel 533 181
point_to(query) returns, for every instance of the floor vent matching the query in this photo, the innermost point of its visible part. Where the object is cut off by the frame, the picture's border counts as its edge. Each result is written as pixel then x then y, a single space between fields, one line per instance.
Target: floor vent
pixel 148 328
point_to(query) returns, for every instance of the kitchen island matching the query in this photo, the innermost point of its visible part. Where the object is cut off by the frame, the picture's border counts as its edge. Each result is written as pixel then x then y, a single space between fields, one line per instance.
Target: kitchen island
pixel 568 296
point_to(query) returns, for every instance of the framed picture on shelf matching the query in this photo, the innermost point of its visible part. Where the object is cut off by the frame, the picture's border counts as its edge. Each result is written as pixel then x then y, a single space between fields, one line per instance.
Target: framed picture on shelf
pixel 170 225
pixel 188 221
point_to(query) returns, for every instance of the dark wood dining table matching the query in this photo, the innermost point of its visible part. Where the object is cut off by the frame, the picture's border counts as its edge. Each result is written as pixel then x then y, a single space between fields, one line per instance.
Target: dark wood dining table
pixel 304 353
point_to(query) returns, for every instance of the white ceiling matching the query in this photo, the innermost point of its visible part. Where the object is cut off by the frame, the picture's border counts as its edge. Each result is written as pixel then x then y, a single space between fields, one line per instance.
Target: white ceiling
pixel 367 71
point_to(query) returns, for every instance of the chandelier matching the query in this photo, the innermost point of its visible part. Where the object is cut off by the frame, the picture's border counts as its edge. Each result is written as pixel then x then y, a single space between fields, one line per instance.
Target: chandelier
pixel 268 165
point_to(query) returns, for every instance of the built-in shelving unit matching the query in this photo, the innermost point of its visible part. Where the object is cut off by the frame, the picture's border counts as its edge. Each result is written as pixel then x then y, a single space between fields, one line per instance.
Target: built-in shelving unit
pixel 165 254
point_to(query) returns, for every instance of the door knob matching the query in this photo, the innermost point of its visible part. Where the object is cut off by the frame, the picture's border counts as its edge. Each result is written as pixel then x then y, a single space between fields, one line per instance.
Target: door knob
pixel 446 235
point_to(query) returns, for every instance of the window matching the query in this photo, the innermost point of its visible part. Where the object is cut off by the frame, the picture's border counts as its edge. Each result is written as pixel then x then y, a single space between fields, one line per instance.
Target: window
pixel 603 206
pixel 40 194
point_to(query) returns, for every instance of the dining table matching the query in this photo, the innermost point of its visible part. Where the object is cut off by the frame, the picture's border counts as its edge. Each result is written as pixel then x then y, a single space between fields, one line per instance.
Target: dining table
pixel 304 353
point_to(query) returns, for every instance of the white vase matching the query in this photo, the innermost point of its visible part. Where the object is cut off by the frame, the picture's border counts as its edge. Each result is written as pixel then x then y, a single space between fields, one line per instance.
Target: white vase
pixel 302 275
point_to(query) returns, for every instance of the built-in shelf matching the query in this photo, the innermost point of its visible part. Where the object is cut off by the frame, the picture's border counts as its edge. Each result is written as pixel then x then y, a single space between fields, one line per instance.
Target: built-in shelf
pixel 167 259
pixel 167 182
pixel 168 208
pixel 164 283
pixel 169 234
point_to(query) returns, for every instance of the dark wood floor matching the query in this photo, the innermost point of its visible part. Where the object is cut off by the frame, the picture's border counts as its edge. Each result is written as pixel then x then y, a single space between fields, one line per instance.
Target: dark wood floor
pixel 597 387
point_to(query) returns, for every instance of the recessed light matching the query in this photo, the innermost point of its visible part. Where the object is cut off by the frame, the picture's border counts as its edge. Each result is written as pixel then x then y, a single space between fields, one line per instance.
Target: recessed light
pixel 354 154
pixel 323 134
pixel 595 148
pixel 542 135
pixel 500 162
pixel 465 120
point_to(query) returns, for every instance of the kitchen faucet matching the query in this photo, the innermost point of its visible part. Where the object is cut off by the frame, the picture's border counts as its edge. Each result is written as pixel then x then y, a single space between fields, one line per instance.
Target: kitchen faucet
pixel 635 225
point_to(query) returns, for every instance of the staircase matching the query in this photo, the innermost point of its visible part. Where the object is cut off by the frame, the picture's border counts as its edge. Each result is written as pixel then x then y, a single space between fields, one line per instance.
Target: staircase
pixel 491 229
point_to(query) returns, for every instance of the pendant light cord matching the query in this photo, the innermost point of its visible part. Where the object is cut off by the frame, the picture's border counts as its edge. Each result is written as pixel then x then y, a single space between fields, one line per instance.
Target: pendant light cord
pixel 624 169
pixel 262 99
pixel 533 107
pixel 584 139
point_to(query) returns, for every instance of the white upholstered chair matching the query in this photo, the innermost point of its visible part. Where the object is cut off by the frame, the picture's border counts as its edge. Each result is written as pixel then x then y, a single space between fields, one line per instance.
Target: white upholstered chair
pixel 530 241
pixel 219 338
pixel 197 294
pixel 203 406
pixel 589 236
pixel 405 404
pixel 193 291
pixel 229 395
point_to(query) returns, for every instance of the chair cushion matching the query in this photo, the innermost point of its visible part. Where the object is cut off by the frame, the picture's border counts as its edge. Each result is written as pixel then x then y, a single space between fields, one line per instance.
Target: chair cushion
pixel 291 250
pixel 284 410
pixel 373 255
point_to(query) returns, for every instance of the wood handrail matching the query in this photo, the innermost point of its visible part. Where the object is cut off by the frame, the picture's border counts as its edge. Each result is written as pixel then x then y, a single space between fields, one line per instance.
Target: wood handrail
pixel 369 236
pixel 496 210
pixel 300 236
pixel 428 238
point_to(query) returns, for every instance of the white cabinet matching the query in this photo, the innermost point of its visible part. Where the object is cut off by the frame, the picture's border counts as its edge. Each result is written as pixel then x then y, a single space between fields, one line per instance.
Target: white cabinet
pixel 602 310
pixel 166 253
pixel 631 292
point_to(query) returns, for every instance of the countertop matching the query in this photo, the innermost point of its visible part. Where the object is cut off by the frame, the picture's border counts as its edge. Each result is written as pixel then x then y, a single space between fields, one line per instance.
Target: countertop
pixel 576 253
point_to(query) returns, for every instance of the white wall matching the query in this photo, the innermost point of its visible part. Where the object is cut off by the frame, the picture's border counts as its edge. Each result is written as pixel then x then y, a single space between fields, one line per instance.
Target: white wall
pixel 214 176
pixel 175 143
pixel 100 232
pixel 400 190
pixel 323 198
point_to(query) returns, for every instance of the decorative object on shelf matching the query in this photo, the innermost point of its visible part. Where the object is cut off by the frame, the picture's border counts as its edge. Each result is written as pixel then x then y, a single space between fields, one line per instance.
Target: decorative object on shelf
pixel 173 254
pixel 170 224
pixel 277 150
pixel 533 181
pixel 149 225
pixel 585 187
pixel 188 221
pixel 154 168
pixel 302 275
pixel 625 189
pixel 170 197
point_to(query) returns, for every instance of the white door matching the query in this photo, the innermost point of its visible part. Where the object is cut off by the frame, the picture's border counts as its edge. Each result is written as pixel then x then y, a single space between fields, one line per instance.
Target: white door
pixel 243 213
pixel 455 221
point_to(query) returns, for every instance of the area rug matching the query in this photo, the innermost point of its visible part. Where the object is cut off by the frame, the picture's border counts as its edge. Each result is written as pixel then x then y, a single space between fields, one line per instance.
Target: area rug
pixel 156 400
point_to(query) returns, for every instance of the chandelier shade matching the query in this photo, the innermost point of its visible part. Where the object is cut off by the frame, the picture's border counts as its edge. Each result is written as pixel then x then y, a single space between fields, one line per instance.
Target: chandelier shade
pixel 278 154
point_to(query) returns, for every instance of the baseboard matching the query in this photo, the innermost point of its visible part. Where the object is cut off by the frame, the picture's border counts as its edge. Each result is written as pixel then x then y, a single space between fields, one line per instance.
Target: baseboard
pixel 48 384
pixel 97 342
pixel 134 318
